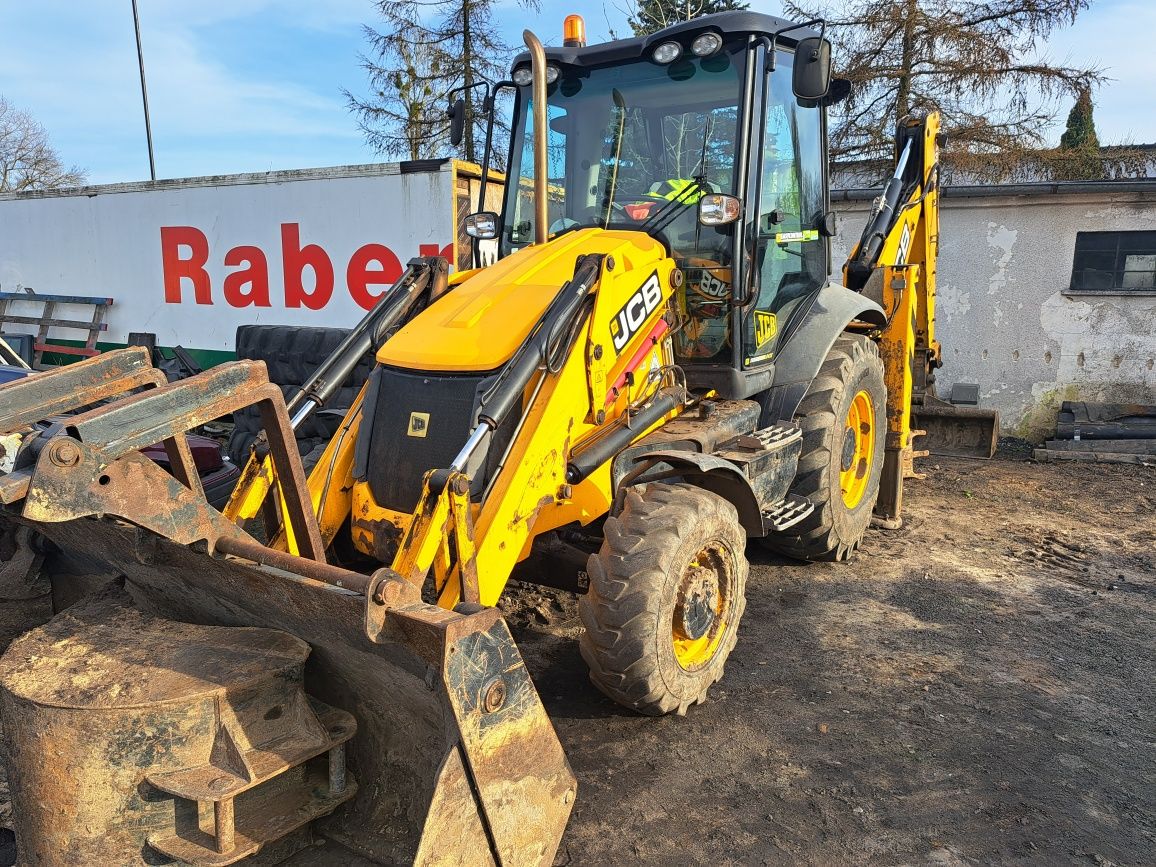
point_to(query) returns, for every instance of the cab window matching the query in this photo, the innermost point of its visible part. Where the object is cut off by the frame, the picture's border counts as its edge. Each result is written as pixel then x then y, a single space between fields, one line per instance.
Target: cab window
pixel 791 252
pixel 521 228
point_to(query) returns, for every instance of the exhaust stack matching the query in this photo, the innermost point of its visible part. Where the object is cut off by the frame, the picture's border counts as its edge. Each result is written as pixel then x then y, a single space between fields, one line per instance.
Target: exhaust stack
pixel 538 69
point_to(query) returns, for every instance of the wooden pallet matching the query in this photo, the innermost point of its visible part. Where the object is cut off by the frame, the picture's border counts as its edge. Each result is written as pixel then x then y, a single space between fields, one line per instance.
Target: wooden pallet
pixel 47 319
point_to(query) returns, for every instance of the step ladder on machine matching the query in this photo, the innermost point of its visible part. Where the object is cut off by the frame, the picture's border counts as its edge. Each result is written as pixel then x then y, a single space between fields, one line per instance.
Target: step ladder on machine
pixel 47 320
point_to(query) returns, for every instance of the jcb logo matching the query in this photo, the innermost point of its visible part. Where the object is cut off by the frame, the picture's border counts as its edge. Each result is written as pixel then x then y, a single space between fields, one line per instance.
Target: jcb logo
pixel 766 327
pixel 633 314
pixel 418 424
pixel 712 286
pixel 904 246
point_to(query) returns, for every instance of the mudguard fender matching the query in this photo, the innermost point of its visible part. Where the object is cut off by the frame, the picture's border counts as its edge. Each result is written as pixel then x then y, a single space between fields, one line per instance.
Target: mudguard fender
pixel 802 355
pixel 714 474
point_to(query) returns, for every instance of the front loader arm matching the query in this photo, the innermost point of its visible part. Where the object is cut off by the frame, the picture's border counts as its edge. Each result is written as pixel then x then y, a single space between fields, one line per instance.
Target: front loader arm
pixel 594 370
pixel 424 280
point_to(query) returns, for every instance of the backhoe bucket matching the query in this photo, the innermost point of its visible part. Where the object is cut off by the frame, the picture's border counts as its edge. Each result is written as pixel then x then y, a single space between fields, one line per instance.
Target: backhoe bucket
pixel 952 430
pixel 200 706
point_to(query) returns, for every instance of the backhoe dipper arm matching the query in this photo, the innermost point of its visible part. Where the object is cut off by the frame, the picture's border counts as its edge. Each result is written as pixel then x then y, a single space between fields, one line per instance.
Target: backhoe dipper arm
pixel 900 242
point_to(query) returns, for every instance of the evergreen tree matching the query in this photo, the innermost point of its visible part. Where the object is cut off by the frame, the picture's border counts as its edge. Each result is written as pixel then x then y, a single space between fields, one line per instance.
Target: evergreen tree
pixel 1078 157
pixel 977 63
pixel 650 16
pixel 406 118
pixel 1081 130
pixel 425 49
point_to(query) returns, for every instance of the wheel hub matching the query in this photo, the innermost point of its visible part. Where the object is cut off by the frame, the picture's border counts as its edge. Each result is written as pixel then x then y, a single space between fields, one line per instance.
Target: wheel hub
pixel 849 447
pixel 696 611
pixel 857 453
pixel 702 607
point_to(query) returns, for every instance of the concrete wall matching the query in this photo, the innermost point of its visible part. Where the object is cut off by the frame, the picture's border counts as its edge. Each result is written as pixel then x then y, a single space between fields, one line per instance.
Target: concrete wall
pixel 1006 318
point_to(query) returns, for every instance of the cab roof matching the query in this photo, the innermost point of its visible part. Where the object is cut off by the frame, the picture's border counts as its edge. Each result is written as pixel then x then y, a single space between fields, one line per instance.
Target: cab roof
pixel 728 24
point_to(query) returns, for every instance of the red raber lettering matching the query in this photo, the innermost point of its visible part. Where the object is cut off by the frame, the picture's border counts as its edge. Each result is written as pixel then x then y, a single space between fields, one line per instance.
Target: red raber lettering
pixel 173 238
pixel 446 252
pixel 360 277
pixel 255 276
pixel 295 259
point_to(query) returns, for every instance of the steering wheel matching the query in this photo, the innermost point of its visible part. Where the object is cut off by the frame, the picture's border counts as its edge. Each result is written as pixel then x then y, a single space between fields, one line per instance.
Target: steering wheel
pixel 591 216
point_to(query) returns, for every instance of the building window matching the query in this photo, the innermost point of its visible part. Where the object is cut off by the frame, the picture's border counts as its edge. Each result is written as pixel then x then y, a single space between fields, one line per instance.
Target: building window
pixel 1114 262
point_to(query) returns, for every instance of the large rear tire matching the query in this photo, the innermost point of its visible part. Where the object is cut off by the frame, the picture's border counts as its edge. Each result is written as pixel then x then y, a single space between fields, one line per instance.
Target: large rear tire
pixel 844 422
pixel 667 591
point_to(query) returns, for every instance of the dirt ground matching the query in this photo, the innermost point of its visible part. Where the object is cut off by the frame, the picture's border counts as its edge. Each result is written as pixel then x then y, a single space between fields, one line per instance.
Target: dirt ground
pixel 978 687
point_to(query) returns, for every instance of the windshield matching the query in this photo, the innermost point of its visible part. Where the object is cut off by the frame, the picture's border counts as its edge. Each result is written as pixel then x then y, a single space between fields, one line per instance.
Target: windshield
pixel 632 145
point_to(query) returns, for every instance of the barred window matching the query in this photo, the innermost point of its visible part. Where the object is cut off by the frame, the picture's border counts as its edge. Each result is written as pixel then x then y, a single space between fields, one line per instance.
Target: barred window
pixel 1114 262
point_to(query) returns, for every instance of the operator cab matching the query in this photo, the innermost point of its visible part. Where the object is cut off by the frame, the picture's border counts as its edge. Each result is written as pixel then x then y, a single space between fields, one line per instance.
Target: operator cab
pixel 664 134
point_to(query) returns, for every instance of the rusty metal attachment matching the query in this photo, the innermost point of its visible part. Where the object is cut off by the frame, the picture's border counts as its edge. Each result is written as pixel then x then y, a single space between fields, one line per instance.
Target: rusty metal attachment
pixel 421 740
pixel 962 431
pixel 94 467
pixel 129 734
pixel 25 591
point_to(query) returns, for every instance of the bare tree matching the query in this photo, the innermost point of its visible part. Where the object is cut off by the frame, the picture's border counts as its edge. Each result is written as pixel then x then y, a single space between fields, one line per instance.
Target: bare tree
pixel 978 62
pixel 27 160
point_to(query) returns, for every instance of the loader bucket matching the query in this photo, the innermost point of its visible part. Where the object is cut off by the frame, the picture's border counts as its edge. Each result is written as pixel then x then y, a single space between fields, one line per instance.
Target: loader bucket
pixel 952 430
pixel 206 734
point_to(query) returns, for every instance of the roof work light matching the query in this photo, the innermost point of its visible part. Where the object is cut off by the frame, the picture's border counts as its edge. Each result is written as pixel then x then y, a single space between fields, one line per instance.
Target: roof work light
pixel 706 44
pixel 667 52
pixel 574 32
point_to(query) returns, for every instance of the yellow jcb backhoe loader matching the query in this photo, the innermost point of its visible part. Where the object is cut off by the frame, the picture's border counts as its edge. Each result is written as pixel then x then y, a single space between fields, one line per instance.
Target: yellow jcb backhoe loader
pixel 655 371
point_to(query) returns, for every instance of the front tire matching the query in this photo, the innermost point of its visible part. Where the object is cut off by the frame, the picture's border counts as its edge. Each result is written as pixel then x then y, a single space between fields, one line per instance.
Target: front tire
pixel 844 422
pixel 667 591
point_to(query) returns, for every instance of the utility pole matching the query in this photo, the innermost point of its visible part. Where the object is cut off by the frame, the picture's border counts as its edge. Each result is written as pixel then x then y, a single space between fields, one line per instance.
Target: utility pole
pixel 144 93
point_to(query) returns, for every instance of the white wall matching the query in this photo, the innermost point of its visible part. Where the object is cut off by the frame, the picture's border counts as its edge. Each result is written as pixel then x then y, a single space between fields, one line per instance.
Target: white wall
pixel 1005 317
pixel 107 241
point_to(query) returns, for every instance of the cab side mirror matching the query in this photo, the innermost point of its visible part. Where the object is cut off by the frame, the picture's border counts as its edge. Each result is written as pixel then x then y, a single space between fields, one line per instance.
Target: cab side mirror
pixel 482 225
pixel 716 209
pixel 457 116
pixel 811 78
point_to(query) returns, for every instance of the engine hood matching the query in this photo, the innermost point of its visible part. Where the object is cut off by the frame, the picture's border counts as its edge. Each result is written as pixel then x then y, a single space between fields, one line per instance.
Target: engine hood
pixel 479 324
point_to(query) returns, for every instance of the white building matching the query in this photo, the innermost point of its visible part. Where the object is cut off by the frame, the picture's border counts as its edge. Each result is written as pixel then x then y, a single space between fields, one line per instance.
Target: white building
pixel 1047 292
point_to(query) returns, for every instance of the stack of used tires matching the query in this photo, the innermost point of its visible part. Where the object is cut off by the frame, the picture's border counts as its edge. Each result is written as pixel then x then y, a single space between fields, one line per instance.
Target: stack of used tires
pixel 292 354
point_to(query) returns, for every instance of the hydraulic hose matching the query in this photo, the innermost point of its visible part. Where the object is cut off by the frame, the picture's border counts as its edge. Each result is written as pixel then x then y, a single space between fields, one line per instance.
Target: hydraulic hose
pixel 390 309
pixel 507 391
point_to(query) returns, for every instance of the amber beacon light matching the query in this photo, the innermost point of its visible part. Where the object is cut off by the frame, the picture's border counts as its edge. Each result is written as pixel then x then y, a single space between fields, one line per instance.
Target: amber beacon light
pixel 574 32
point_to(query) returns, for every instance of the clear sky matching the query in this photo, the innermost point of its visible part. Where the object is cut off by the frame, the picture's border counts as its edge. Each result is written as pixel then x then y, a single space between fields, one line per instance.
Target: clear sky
pixel 254 85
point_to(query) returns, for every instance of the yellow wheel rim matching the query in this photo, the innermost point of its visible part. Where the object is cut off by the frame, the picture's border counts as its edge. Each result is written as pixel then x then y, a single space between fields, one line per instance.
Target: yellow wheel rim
pixel 858 449
pixel 702 610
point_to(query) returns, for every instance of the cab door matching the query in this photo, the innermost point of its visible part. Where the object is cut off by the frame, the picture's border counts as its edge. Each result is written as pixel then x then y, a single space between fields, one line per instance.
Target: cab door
pixel 791 251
